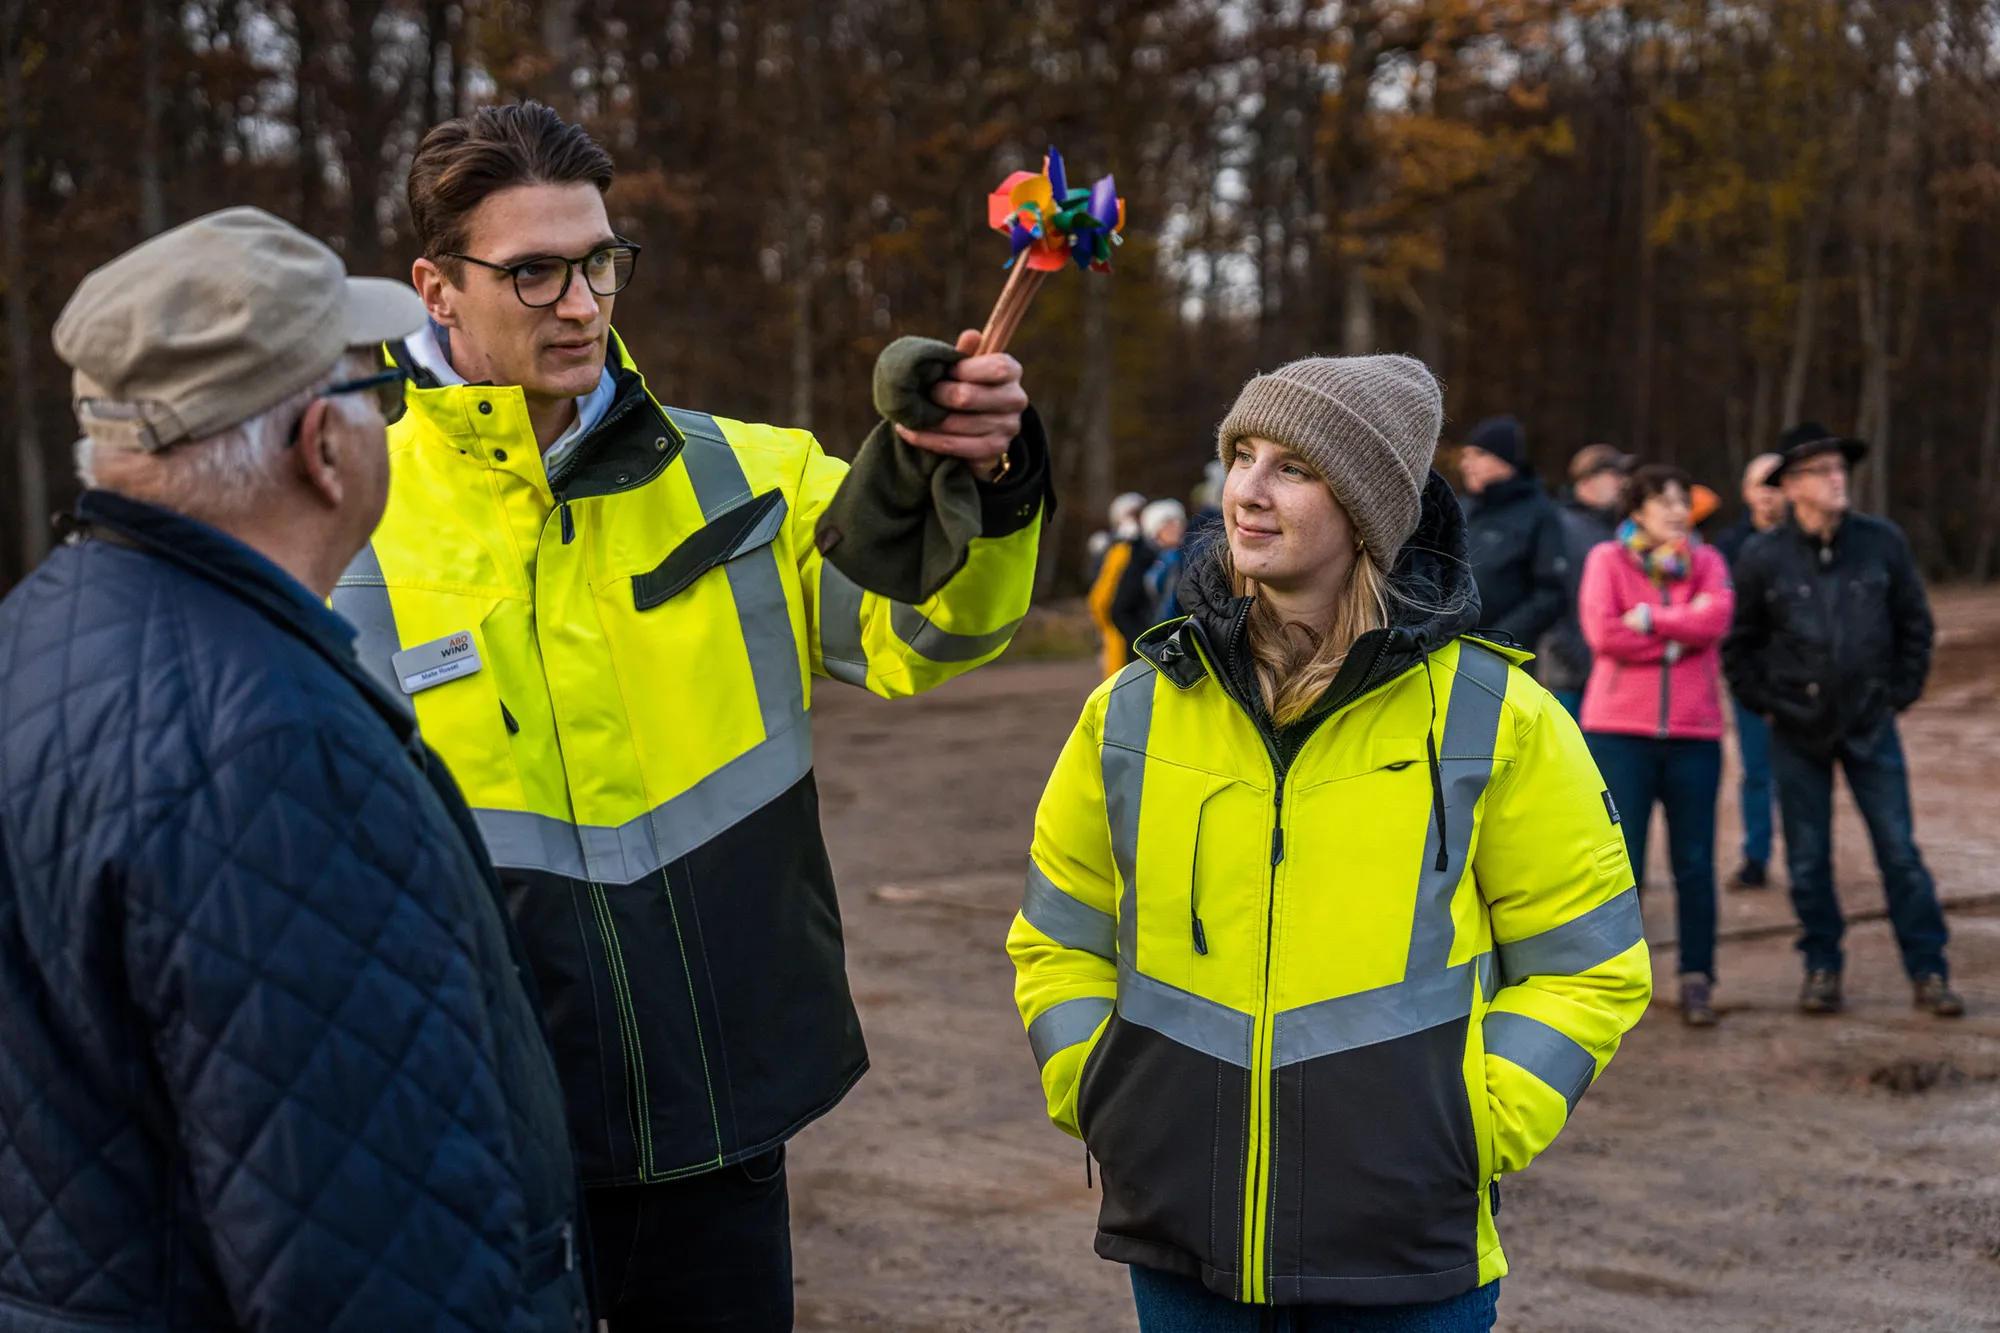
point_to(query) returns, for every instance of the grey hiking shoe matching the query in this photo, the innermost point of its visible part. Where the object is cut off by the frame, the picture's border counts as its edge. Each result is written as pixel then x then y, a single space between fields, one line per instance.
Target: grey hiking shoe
pixel 1933 994
pixel 1821 993
pixel 1697 1005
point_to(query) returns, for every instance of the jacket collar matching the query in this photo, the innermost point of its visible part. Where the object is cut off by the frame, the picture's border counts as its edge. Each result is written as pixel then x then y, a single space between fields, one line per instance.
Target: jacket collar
pixel 227 563
pixel 1437 602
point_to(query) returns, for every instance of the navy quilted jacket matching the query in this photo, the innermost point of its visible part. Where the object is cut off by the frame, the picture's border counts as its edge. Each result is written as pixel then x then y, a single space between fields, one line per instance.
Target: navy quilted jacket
pixel 266 1059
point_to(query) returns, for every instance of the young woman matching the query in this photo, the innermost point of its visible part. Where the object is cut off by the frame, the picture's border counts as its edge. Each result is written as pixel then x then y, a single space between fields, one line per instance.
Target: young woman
pixel 1654 605
pixel 1328 924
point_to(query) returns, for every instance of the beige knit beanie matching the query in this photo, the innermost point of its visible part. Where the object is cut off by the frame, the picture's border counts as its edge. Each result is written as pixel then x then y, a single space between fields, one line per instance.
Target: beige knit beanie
pixel 1369 424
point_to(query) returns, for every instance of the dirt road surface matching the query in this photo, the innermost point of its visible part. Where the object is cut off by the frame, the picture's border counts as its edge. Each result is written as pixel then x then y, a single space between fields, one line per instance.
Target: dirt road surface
pixel 1778 1173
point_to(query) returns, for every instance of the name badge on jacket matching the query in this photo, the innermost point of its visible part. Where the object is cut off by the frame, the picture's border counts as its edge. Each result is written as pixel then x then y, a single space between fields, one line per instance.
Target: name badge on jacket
pixel 436 662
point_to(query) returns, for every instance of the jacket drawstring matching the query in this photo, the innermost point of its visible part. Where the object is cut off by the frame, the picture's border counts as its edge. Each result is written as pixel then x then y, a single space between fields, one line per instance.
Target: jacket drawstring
pixel 1437 771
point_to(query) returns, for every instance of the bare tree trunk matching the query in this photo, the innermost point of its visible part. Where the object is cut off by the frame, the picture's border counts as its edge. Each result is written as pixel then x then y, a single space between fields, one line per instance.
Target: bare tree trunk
pixel 1763 431
pixel 30 468
pixel 559 44
pixel 1872 416
pixel 1099 476
pixel 1989 462
pixel 800 245
pixel 152 207
pixel 1644 311
pixel 1805 323
pixel 1357 316
pixel 442 84
pixel 304 92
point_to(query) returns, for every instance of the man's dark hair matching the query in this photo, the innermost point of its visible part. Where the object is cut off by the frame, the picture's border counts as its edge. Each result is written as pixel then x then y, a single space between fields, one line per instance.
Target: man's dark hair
pixel 461 162
pixel 1653 479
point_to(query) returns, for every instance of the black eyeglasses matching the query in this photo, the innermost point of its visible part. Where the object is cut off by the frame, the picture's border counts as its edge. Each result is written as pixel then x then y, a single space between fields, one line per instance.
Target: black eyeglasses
pixel 385 385
pixel 542 281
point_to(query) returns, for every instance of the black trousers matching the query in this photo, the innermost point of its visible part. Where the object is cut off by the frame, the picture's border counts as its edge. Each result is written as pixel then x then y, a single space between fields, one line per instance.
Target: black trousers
pixel 712 1251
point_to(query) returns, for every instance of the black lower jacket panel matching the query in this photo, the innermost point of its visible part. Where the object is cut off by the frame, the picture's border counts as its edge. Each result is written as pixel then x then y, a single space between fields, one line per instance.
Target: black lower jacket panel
pixel 700 1014
pixel 1168 1127
pixel 1375 1175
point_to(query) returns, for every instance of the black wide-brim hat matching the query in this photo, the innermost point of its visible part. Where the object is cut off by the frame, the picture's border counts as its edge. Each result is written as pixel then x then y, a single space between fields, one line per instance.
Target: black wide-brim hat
pixel 1809 439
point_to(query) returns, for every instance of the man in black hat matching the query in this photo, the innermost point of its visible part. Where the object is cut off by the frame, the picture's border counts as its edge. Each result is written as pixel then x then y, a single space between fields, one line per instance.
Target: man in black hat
pixel 1514 534
pixel 1832 639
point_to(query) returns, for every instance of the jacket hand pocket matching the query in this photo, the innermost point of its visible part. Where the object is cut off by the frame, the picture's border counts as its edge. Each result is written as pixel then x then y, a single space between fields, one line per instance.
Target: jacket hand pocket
pixel 750 525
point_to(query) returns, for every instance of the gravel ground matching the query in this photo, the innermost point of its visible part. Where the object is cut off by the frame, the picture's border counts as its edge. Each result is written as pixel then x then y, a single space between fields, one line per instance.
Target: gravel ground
pixel 1777 1173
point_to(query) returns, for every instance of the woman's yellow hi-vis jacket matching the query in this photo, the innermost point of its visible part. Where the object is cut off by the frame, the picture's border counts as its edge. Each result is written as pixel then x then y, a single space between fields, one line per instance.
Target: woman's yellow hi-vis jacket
pixel 1306 993
pixel 616 663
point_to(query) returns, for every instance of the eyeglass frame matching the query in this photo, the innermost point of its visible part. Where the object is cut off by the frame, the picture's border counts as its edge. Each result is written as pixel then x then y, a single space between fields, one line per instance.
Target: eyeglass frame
pixel 569 270
pixel 1840 467
pixel 398 374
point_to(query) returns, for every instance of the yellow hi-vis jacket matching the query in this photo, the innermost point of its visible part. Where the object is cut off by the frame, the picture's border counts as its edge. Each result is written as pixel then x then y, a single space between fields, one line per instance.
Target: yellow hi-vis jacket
pixel 1304 1018
pixel 616 663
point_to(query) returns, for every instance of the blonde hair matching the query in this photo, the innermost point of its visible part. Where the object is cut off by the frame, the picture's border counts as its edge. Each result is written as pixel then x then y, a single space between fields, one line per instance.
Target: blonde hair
pixel 1296 662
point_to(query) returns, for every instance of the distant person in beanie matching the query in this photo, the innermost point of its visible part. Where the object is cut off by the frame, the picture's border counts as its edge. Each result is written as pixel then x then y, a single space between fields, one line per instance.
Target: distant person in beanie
pixel 1514 534
pixel 1832 639
pixel 1328 925
pixel 1763 510
pixel 1590 514
pixel 1110 577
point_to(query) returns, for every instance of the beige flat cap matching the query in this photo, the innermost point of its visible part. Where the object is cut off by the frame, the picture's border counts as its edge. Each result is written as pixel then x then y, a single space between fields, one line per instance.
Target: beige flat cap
pixel 203 327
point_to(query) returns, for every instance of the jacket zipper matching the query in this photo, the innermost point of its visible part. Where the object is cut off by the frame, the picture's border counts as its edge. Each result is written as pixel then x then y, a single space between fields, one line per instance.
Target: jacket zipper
pixel 618 412
pixel 1668 658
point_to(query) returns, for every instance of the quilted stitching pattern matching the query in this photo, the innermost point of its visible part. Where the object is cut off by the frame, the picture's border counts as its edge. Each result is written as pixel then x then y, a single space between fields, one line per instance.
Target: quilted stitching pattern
pixel 264 1057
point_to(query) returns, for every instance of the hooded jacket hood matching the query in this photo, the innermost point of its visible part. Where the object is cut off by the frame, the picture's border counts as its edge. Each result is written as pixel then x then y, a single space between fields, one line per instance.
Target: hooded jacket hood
pixel 1434 600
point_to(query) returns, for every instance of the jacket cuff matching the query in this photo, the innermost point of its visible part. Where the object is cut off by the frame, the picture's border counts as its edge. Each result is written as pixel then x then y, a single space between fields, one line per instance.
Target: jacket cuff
pixel 1028 489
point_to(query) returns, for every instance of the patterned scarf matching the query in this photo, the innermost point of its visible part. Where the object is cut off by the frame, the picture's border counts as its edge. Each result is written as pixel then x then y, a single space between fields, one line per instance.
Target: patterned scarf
pixel 1664 564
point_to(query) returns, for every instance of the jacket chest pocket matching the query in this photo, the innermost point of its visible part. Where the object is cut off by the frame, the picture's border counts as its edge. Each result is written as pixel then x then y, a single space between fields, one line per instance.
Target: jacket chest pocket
pixel 737 532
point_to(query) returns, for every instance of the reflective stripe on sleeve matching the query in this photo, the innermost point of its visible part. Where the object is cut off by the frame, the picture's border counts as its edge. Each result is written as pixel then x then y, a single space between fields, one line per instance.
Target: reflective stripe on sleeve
pixel 1549 1055
pixel 1576 946
pixel 840 650
pixel 1062 1026
pixel 1067 920
pixel 915 629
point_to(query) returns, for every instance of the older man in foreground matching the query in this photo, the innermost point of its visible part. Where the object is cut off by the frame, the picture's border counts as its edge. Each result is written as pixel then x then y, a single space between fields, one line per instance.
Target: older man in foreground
pixel 266 1060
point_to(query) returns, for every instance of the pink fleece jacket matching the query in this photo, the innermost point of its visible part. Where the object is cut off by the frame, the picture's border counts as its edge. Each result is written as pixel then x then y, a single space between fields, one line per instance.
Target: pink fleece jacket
pixel 1666 683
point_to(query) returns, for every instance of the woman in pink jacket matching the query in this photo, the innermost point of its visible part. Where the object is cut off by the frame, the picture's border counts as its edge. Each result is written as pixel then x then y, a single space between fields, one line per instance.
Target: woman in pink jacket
pixel 1654 604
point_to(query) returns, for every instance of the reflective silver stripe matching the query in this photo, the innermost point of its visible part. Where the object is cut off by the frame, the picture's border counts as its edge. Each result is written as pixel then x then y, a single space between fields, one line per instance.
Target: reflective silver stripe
pixel 1576 946
pixel 1465 754
pixel 914 628
pixel 754 581
pixel 1128 721
pixel 1348 1022
pixel 1549 1055
pixel 1201 1024
pixel 840 649
pixel 1062 1026
pixel 362 597
pixel 638 847
pixel 1068 921
pixel 1489 980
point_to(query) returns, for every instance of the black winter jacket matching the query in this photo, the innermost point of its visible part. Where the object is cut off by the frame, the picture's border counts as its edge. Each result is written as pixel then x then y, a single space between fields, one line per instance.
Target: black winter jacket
pixel 1830 638
pixel 266 1058
pixel 1520 557
pixel 1562 659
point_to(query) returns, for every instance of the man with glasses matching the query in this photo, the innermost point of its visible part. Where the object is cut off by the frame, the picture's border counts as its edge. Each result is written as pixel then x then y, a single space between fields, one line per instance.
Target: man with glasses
pixel 609 616
pixel 266 1055
pixel 1832 639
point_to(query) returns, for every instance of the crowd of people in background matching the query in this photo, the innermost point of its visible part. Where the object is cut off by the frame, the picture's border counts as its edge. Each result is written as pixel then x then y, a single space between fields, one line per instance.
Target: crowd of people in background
pixel 1802 628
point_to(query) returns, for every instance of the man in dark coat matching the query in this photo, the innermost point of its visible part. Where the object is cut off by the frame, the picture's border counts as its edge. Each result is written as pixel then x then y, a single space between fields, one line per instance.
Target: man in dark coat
pixel 1763 510
pixel 1832 639
pixel 1519 553
pixel 1589 516
pixel 266 1056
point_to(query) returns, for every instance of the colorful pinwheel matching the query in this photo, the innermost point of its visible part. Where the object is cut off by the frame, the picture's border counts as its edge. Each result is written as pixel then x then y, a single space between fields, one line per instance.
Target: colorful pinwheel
pixel 1048 223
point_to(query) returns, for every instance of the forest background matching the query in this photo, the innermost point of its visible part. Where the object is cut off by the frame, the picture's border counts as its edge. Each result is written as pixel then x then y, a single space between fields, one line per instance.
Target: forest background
pixel 1673 225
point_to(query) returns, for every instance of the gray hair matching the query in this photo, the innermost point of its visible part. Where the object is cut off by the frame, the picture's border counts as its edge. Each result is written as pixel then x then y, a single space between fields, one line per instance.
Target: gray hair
pixel 228 473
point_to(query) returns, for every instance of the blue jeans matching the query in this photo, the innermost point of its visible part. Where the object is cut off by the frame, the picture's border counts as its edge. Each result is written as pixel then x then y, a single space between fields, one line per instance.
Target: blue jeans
pixel 1685 777
pixel 1880 782
pixel 1753 746
pixel 1170 1303
pixel 1571 700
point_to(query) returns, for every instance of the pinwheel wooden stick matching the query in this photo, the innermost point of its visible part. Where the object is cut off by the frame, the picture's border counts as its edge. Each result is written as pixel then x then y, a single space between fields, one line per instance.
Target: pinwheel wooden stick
pixel 1049 225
